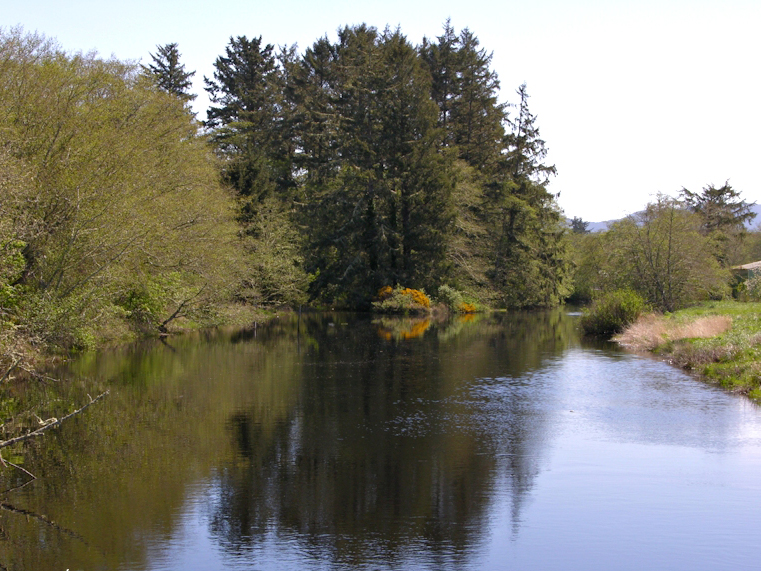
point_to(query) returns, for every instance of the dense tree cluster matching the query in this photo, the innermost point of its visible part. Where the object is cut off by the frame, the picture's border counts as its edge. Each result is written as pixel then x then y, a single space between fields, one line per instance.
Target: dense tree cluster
pixel 361 163
pixel 383 163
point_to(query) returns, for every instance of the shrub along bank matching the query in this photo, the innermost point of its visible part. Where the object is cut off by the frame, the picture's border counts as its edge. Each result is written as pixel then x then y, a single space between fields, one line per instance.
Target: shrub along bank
pixel 720 341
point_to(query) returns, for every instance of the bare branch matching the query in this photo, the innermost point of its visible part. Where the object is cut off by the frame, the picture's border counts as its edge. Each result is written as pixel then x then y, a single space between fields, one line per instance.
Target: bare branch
pixel 41 517
pixel 57 422
pixel 10 370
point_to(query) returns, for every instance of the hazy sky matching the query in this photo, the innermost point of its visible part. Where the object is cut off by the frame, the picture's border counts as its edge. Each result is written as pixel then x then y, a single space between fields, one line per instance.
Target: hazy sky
pixel 632 97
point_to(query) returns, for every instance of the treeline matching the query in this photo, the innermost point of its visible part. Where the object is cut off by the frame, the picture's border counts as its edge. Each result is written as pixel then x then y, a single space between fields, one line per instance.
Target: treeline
pixel 677 251
pixel 370 162
pixel 316 178
pixel 112 212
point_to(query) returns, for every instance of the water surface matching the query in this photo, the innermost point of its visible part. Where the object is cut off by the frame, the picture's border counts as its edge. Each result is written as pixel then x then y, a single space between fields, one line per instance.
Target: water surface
pixel 341 442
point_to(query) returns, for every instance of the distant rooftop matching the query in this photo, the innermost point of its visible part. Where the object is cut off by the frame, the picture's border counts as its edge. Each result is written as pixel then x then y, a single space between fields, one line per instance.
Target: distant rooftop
pixel 751 266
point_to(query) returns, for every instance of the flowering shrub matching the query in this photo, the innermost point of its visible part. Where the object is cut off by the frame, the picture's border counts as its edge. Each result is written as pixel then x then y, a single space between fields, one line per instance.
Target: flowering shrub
pixel 384 293
pixel 465 307
pixel 401 300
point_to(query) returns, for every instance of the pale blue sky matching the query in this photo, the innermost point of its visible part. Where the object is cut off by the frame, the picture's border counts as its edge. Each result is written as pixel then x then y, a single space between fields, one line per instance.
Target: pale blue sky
pixel 632 97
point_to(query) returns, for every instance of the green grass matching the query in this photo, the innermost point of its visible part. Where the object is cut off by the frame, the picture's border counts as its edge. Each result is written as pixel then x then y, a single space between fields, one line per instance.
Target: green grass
pixel 731 359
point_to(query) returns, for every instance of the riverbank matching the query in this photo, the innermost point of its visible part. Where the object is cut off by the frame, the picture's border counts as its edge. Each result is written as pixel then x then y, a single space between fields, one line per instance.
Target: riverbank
pixel 718 341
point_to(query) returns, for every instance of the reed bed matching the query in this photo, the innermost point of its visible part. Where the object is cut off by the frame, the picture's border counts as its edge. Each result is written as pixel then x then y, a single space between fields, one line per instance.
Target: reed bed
pixel 651 331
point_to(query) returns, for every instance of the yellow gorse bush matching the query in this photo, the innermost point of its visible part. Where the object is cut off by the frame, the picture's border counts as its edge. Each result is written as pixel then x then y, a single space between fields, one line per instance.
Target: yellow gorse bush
pixel 416 296
pixel 467 308
pixel 385 292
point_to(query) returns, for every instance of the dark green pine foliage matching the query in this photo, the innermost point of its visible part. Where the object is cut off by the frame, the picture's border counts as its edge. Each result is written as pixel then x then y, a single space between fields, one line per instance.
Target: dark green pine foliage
pixel 507 245
pixel 466 91
pixel 579 226
pixel 312 95
pixel 442 59
pixel 530 266
pixel 396 164
pixel 245 119
pixel 168 73
pixel 382 209
pixel 251 125
pixel 723 216
pixel 477 117
pixel 720 208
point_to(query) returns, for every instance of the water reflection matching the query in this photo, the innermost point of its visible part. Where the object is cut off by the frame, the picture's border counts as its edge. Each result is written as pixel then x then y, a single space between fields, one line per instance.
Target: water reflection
pixel 317 442
pixel 402 328
pixel 385 449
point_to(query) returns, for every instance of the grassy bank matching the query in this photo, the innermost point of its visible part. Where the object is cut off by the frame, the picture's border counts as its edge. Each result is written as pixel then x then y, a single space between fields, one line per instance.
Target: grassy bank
pixel 720 341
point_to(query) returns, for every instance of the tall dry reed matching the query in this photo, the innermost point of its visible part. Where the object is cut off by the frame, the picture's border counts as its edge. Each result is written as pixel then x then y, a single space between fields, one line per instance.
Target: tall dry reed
pixel 650 331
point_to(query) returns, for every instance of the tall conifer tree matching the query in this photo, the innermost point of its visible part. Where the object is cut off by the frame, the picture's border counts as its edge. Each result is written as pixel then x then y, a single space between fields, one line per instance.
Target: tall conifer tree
pixel 168 73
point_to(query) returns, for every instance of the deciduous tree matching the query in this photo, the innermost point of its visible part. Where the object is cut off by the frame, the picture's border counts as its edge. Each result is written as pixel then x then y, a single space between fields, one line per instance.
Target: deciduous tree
pixel 661 254
pixel 124 189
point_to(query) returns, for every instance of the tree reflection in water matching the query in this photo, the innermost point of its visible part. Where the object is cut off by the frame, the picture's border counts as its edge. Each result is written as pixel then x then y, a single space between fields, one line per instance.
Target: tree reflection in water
pixel 386 450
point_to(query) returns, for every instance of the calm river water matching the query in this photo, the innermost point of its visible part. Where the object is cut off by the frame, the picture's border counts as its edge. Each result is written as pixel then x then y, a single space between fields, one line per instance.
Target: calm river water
pixel 343 442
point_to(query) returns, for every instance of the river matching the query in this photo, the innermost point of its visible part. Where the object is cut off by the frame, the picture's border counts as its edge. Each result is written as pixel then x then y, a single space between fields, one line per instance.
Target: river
pixel 343 442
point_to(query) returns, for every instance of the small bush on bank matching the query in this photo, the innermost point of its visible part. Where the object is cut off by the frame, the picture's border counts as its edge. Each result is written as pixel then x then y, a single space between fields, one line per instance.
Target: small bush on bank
pixel 450 297
pixel 466 307
pixel 401 300
pixel 612 312
pixel 454 301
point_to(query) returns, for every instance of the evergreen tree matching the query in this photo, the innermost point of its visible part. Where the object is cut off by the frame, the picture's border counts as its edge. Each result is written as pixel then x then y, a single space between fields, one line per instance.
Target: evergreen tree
pixel 311 90
pixel 465 90
pixel 245 120
pixel 579 226
pixel 526 151
pixel 442 61
pixel 168 73
pixel 720 208
pixel 529 268
pixel 251 124
pixel 723 216
pixel 383 215
pixel 477 117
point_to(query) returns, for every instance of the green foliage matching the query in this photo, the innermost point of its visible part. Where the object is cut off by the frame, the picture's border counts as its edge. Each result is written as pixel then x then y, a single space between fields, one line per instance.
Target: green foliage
pixel 59 323
pixel 753 288
pixel 108 180
pixel 450 297
pixel 723 216
pixel 579 226
pixel 612 312
pixel 275 264
pixel 719 208
pixel 146 300
pixel 455 300
pixel 246 117
pixel 662 255
pixel 377 191
pixel 401 300
pixel 588 255
pixel 400 163
pixel 168 73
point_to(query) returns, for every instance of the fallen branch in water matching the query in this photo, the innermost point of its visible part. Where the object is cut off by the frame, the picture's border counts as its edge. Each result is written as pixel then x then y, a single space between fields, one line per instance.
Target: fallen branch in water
pixel 10 370
pixel 43 518
pixel 50 423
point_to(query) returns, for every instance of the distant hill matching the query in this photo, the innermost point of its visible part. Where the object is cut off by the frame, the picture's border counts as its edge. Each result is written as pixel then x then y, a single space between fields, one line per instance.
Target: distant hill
pixel 603 226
